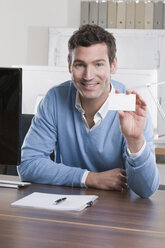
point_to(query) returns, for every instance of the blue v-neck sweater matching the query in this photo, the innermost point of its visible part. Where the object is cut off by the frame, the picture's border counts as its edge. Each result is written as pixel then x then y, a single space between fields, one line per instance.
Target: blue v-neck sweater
pixel 59 126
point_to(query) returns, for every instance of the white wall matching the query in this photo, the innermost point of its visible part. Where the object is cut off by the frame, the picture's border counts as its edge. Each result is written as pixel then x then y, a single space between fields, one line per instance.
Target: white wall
pixel 24 28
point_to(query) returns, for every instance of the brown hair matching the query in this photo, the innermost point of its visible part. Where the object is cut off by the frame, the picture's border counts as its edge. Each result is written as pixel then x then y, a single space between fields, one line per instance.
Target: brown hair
pixel 88 35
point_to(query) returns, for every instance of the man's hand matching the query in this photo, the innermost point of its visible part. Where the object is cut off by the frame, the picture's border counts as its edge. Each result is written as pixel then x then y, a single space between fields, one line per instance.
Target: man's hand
pixel 114 179
pixel 132 123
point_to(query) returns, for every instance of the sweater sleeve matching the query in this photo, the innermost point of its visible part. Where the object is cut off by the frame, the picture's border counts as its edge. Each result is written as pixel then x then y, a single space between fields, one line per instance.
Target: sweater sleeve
pixel 142 172
pixel 40 141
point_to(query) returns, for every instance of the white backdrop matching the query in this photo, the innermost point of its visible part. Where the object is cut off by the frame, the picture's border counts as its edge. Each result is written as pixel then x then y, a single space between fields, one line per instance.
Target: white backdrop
pixel 24 28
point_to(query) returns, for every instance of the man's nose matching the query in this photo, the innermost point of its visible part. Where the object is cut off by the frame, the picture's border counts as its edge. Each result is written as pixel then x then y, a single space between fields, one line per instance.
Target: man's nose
pixel 88 73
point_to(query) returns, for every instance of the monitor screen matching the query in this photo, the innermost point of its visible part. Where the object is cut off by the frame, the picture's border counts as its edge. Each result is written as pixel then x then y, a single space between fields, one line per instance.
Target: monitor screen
pixel 10 115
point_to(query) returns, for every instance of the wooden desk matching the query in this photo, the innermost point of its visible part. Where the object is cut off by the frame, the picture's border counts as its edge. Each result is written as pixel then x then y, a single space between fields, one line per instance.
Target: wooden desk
pixel 160 146
pixel 160 150
pixel 115 220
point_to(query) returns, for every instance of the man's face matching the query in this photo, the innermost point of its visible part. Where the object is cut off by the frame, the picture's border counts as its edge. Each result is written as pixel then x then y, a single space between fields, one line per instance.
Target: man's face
pixel 90 71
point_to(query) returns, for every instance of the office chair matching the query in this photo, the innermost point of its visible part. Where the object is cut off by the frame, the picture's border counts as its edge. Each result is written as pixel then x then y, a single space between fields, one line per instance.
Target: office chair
pixel 26 122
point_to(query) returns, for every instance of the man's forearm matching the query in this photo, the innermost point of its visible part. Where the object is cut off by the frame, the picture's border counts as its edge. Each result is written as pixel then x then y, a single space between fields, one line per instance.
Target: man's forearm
pixel 142 172
pixel 45 171
pixel 135 144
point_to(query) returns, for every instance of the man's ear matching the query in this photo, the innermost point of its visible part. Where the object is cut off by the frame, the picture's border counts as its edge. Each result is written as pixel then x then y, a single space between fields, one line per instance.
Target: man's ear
pixel 69 63
pixel 69 67
pixel 114 66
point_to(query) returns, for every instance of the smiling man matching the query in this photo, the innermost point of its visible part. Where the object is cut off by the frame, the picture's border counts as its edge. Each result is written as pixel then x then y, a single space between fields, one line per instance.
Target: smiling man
pixel 94 147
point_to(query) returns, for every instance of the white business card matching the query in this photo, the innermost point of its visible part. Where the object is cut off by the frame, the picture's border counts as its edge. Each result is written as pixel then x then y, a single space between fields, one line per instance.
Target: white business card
pixel 122 102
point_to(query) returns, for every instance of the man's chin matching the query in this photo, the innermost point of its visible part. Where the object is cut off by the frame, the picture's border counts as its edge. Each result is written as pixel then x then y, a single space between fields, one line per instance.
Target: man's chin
pixel 89 96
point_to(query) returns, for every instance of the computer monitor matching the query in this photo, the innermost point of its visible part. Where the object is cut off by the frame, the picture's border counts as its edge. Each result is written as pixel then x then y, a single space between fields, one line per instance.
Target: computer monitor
pixel 10 115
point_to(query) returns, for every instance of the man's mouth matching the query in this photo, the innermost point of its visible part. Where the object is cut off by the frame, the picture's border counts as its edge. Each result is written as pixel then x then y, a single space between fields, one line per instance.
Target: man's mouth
pixel 89 85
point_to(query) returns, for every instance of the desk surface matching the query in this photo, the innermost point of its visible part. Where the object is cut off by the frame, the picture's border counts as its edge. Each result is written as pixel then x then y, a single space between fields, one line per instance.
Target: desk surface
pixel 160 146
pixel 115 220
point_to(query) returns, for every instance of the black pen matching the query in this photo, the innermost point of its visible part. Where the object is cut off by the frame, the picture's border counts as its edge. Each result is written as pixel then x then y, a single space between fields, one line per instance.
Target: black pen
pixel 89 204
pixel 60 200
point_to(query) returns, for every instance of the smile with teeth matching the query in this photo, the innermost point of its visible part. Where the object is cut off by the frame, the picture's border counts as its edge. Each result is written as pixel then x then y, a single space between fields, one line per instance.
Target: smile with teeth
pixel 89 85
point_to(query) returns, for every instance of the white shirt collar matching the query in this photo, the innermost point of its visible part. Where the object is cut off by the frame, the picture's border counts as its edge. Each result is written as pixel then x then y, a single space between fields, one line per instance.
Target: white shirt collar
pixel 104 108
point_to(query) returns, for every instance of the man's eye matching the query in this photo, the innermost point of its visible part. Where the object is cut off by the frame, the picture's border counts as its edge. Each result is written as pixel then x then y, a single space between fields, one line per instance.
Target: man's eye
pixel 99 64
pixel 79 65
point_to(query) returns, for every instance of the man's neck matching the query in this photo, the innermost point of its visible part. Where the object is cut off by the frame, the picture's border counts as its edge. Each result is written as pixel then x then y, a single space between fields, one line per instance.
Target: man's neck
pixel 92 106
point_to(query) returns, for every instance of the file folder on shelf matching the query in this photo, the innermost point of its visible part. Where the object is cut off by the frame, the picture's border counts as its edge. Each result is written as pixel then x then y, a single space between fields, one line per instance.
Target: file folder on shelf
pixel 112 12
pixel 140 15
pixel 158 15
pixel 93 12
pixel 164 15
pixel 149 15
pixel 130 15
pixel 102 20
pixel 84 19
pixel 121 14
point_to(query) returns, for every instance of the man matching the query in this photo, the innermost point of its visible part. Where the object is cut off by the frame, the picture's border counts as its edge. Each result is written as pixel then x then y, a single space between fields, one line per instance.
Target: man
pixel 94 147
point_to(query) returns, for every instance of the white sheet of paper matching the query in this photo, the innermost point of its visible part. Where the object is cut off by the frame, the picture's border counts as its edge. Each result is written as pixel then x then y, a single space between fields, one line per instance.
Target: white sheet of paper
pixel 46 201
pixel 122 102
